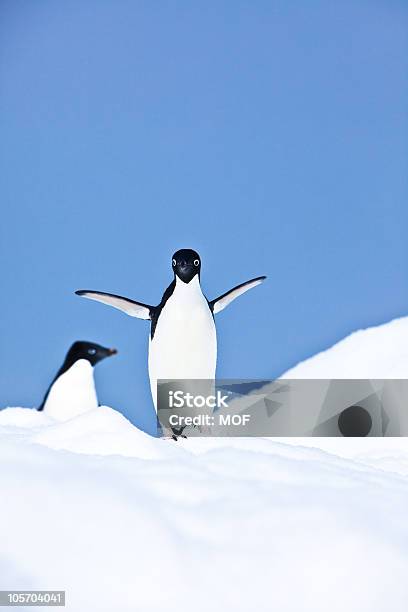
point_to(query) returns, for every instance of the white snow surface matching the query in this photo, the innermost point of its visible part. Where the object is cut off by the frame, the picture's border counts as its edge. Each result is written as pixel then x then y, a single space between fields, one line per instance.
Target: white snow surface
pixel 376 352
pixel 126 522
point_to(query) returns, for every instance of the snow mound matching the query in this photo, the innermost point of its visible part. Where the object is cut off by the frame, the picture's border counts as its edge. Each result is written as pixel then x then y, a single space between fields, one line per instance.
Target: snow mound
pixel 102 431
pixel 376 352
pixel 21 418
pixel 123 521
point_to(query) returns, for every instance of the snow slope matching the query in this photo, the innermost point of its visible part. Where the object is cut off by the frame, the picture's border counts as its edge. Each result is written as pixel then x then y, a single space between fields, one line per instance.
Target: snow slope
pixel 125 522
pixel 376 352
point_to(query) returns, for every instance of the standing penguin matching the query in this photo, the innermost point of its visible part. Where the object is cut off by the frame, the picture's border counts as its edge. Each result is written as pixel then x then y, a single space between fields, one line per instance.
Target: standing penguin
pixel 72 392
pixel 183 343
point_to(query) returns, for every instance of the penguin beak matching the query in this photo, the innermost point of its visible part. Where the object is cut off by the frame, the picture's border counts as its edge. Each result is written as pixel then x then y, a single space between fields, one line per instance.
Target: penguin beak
pixel 112 351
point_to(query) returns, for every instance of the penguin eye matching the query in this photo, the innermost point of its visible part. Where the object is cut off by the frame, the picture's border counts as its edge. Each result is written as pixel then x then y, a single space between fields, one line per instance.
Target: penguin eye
pixel 92 351
pixel 196 262
pixel 174 262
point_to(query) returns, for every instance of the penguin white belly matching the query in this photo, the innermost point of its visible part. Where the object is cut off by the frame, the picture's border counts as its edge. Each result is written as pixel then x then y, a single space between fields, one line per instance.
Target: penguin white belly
pixel 73 392
pixel 184 344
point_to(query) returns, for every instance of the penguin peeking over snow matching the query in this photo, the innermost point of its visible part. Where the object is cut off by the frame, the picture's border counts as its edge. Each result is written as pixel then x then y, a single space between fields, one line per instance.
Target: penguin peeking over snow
pixel 72 392
pixel 183 343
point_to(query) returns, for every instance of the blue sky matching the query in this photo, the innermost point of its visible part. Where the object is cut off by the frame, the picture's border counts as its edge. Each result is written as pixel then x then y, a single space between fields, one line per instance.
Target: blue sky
pixel 272 137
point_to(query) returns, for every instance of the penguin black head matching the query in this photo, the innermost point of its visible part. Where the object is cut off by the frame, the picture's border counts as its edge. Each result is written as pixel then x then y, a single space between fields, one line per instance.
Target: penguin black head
pixel 186 264
pixel 88 350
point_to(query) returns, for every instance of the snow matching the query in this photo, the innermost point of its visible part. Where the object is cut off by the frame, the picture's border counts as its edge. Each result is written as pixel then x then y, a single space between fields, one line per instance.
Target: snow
pixel 126 522
pixel 376 352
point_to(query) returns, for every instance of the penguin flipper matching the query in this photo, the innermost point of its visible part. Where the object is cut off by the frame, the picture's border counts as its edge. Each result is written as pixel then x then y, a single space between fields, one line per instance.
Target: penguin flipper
pixel 226 298
pixel 130 307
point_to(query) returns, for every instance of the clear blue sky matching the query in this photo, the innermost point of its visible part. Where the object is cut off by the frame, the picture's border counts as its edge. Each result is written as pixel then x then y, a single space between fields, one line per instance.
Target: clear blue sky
pixel 270 136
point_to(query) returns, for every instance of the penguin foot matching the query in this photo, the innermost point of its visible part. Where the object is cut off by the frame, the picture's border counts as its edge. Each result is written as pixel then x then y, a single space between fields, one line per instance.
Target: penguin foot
pixel 175 438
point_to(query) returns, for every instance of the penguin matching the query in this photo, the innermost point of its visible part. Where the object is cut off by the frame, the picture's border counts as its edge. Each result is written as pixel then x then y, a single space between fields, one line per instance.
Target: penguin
pixel 183 342
pixel 72 391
